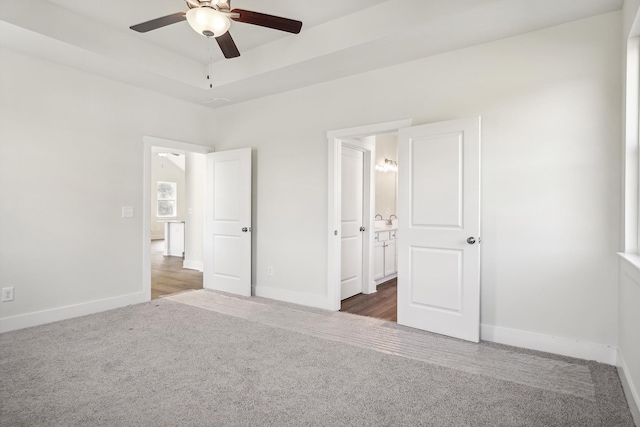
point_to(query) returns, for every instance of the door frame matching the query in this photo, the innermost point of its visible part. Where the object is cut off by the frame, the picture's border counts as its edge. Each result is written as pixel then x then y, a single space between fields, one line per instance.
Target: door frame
pixel 336 139
pixel 148 142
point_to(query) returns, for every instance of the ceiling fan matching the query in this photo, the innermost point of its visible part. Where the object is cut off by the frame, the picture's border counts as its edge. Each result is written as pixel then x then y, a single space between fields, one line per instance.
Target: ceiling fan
pixel 212 18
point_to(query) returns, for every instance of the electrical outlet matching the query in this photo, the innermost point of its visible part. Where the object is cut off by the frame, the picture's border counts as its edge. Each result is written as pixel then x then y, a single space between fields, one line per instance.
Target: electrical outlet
pixel 269 271
pixel 7 294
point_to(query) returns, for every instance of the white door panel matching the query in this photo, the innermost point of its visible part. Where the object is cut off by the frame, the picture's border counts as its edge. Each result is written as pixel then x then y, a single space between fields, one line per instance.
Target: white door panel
pixel 227 262
pixel 351 213
pixel 436 171
pixel 439 207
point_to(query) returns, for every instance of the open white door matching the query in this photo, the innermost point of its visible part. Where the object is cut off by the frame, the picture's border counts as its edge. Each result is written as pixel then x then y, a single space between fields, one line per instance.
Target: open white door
pixel 227 248
pixel 352 225
pixel 439 226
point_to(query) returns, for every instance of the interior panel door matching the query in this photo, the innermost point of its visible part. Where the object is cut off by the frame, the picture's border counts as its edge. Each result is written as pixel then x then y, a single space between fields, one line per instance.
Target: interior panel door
pixel 227 261
pixel 352 220
pixel 439 207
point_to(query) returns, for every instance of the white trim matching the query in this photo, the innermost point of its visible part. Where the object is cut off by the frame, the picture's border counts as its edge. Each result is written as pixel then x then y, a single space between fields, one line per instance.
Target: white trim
pixel 302 298
pixel 630 146
pixel 70 311
pixel 630 264
pixel 193 265
pixel 630 390
pixel 148 142
pixel 335 139
pixel 368 130
pixel 386 279
pixel 550 344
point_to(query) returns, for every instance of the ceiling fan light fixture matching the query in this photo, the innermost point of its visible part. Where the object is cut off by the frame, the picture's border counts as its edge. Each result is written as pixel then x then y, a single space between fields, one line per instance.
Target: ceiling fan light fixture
pixel 208 21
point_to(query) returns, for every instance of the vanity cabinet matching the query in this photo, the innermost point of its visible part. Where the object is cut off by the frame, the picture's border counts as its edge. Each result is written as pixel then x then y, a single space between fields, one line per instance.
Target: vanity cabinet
pixel 385 256
pixel 174 238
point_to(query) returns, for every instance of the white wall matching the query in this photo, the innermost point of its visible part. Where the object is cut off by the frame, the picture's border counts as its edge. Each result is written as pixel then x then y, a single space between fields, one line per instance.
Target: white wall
pixel 551 110
pixel 70 157
pixel 163 169
pixel 196 172
pixel 386 182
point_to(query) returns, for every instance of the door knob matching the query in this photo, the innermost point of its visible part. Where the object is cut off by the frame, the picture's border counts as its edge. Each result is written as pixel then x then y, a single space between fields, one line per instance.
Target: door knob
pixel 245 229
pixel 362 228
pixel 471 240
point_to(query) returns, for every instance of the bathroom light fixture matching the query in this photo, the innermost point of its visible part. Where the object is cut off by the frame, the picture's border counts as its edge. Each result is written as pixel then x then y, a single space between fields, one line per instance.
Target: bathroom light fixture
pixel 388 166
pixel 208 21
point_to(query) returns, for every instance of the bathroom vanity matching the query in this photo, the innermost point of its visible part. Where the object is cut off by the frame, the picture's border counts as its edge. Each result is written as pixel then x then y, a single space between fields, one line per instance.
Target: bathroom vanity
pixel 385 253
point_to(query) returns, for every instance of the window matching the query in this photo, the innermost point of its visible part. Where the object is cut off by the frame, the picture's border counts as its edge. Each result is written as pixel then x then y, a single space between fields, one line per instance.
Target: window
pixel 167 199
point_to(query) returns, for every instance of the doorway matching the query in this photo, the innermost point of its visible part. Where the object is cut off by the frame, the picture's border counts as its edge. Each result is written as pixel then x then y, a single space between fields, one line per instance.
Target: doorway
pixel 382 303
pixel 438 286
pixel 363 138
pixel 173 216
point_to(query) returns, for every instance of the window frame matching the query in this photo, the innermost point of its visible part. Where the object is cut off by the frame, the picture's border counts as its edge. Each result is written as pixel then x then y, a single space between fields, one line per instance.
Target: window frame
pixel 163 198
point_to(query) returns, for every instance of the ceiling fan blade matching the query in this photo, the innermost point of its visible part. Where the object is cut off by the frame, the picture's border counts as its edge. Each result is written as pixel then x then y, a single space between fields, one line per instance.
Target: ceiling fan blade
pixel 159 22
pixel 269 21
pixel 228 46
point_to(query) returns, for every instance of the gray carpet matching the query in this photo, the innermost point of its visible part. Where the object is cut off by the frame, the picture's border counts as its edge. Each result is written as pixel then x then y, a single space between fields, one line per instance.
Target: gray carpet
pixel 166 363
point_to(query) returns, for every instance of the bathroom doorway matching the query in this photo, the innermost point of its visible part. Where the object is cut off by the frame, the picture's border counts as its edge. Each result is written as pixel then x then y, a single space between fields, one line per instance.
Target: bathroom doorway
pixel 438 284
pixel 382 303
pixel 371 250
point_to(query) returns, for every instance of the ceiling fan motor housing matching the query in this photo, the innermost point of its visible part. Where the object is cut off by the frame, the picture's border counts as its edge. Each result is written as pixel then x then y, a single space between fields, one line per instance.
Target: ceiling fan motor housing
pixel 208 21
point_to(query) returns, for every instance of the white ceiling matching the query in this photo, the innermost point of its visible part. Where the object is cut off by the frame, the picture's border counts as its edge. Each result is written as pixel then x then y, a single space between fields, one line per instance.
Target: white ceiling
pixel 338 39
pixel 181 39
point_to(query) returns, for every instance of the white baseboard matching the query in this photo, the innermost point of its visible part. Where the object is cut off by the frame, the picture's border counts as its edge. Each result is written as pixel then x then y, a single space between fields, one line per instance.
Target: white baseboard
pixel 386 279
pixel 301 298
pixel 193 265
pixel 67 312
pixel 631 392
pixel 550 344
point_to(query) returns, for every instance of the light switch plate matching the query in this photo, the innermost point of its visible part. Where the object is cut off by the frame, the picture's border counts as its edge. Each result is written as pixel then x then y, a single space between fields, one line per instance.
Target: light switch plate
pixel 7 294
pixel 127 212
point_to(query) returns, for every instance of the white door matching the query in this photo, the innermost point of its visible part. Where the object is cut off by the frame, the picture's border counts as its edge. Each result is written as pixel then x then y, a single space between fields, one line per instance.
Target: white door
pixel 227 260
pixel 439 211
pixel 351 233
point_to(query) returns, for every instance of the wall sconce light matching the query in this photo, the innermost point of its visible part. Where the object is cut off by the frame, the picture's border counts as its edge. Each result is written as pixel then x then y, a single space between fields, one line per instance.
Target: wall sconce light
pixel 388 166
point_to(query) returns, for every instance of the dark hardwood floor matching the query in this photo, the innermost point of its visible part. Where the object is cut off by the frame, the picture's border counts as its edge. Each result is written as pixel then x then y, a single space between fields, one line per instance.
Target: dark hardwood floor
pixel 167 274
pixel 382 304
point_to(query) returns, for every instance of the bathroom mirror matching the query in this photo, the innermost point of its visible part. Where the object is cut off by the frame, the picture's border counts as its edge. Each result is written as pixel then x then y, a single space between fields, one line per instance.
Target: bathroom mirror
pixel 386 175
